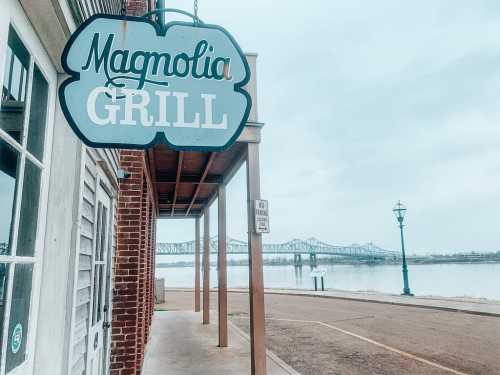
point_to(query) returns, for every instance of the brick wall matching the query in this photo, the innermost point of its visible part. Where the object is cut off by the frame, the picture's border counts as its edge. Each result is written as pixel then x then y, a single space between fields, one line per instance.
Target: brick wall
pixel 137 7
pixel 134 268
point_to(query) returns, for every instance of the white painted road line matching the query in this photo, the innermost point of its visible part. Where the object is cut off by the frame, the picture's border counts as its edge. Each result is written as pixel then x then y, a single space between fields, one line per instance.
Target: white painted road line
pixel 373 342
pixel 270 354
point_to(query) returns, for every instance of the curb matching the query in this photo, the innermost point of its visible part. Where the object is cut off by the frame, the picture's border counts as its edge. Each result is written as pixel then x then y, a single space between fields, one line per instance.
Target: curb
pixel 420 306
pixel 442 308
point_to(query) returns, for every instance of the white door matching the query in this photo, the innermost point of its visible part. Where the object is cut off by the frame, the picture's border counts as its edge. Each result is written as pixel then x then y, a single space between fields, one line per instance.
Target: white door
pixel 101 279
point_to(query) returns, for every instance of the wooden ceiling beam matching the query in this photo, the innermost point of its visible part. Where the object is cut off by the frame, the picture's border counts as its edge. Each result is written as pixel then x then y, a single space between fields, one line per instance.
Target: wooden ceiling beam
pixel 152 172
pixel 210 160
pixel 177 180
pixel 178 215
pixel 181 201
pixel 189 179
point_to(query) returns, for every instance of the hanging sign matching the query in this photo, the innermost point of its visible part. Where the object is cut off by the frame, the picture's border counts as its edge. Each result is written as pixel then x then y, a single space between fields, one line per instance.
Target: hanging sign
pixel 133 85
pixel 261 216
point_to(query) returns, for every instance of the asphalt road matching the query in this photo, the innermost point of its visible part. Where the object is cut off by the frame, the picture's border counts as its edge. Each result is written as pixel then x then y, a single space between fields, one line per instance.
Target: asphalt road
pixel 319 336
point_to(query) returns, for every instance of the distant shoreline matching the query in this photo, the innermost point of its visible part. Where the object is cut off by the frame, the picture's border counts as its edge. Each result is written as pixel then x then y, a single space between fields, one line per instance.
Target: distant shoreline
pixel 337 262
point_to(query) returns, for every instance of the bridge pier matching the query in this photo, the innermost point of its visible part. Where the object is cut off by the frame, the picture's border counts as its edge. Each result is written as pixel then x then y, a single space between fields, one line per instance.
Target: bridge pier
pixel 297 260
pixel 312 260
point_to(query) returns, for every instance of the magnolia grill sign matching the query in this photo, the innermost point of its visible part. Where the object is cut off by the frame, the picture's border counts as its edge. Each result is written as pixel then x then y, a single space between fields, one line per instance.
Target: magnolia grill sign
pixel 133 85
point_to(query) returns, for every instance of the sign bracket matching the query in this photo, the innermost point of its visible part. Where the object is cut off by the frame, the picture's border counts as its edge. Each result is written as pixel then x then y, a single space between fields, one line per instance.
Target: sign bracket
pixel 195 18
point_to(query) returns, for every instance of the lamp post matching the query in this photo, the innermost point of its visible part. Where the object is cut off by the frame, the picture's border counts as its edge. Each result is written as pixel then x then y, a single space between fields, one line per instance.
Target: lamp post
pixel 400 211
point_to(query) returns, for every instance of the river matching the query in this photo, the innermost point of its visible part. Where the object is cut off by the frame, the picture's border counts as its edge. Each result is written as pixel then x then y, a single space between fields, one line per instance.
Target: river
pixel 480 280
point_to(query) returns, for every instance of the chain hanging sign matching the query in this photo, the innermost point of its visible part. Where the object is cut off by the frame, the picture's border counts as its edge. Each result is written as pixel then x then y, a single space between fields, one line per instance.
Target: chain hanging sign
pixel 133 84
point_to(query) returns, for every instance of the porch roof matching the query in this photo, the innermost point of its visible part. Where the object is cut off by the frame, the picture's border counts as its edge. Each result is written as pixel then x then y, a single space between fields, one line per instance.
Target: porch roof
pixel 186 181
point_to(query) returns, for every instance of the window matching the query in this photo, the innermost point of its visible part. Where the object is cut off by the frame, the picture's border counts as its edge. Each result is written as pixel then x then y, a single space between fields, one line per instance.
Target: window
pixel 23 117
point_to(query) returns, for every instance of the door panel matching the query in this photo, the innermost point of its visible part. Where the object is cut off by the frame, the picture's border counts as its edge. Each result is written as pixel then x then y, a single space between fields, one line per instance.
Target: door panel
pixel 98 335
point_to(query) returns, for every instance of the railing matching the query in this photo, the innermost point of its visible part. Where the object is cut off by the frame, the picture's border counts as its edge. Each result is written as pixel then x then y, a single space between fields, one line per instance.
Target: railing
pixel 296 246
pixel 83 9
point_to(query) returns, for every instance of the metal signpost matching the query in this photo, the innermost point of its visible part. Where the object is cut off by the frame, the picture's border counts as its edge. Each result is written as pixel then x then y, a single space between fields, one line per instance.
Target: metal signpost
pixel 135 83
pixel 399 211
pixel 321 273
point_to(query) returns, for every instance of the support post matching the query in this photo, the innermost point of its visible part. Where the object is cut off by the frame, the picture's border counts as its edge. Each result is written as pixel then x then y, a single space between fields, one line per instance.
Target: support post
pixel 206 266
pixel 256 279
pixel 222 267
pixel 197 265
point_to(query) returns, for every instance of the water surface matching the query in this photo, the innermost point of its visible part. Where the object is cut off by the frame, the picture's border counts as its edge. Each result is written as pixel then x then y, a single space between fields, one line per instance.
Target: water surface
pixel 448 280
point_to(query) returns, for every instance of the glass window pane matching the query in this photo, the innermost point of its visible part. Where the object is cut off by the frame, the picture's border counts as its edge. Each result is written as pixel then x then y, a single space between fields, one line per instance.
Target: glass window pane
pixel 98 232
pixel 96 296
pixel 9 165
pixel 6 70
pixel 4 276
pixel 19 316
pixel 99 291
pixel 104 222
pixel 29 210
pixel 38 114
pixel 14 87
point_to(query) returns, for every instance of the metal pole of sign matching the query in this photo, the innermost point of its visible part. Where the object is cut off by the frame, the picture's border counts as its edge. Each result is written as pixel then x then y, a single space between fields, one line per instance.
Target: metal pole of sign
pixel 315 284
pixel 160 4
pixel 406 287
pixel 322 284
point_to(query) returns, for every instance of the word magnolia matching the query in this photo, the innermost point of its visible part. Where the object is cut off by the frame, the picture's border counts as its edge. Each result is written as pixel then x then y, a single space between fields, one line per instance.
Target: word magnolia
pixel 132 85
pixel 141 64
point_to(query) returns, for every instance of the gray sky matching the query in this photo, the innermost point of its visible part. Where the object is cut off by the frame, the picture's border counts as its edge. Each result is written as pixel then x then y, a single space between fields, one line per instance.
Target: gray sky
pixel 366 103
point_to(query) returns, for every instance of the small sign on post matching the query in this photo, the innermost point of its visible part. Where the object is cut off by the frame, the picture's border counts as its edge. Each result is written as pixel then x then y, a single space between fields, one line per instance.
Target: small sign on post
pixel 261 216
pixel 321 273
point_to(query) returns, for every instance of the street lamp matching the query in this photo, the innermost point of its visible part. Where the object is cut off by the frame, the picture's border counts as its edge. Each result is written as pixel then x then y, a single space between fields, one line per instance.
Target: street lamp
pixel 400 211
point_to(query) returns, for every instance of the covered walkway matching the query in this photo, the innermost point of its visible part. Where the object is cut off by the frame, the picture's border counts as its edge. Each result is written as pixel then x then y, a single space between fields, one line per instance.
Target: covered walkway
pixel 182 345
pixel 165 183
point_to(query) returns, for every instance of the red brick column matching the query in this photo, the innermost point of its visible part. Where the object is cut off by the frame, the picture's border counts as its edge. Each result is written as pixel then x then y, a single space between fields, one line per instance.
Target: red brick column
pixel 152 264
pixel 126 282
pixel 149 270
pixel 134 267
pixel 143 276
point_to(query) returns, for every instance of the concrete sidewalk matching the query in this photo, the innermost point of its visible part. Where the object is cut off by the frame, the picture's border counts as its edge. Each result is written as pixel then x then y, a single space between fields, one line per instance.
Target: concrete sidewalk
pixel 181 345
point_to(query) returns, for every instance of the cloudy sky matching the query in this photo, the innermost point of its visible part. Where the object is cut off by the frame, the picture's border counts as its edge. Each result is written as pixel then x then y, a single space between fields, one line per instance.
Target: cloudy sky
pixel 366 103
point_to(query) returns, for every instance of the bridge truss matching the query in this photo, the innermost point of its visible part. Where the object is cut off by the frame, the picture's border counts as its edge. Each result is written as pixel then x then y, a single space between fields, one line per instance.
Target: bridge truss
pixel 296 246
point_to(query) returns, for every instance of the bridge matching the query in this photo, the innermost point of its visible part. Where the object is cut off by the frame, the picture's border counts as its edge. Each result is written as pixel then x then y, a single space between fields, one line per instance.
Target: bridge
pixel 296 247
